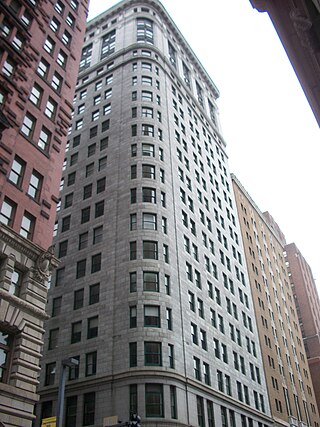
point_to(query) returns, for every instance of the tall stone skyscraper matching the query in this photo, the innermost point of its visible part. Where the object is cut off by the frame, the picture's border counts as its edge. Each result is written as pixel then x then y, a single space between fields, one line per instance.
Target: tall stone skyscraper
pixel 146 296
pixel 291 394
pixel 40 47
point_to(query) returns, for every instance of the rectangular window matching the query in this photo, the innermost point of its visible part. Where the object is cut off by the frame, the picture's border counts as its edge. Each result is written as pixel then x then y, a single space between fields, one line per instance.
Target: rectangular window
pixel 92 327
pixel 108 44
pixel 44 139
pixel 132 354
pixel 76 329
pixel 28 125
pixel 150 249
pixel 50 373
pixel 154 400
pixel 150 281
pixel 78 298
pixel 94 292
pixel 81 269
pixel 152 354
pixel 89 400
pixel 27 225
pixel 95 263
pixel 144 30
pixel 17 171
pixel 71 411
pixel 152 316
pixel 133 282
pixel 35 185
pixel 91 363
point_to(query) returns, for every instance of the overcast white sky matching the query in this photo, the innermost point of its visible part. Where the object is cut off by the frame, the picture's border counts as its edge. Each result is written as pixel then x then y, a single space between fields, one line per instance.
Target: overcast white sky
pixel 273 140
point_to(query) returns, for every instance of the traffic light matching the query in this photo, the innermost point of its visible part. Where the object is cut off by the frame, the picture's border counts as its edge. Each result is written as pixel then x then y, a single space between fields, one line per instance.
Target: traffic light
pixel 135 420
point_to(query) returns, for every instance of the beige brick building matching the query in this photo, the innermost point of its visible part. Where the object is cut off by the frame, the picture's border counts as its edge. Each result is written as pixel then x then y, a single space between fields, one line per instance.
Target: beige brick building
pixel 290 389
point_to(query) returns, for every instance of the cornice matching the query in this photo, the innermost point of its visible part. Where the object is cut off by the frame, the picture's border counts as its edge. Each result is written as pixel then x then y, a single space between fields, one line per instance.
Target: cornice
pixel 120 7
pixel 23 305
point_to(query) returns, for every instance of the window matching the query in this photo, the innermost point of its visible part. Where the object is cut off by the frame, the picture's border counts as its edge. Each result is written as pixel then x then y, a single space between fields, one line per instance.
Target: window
pixel 27 225
pixel 60 273
pixel 206 373
pixel 196 368
pixel 133 251
pixel 63 247
pixel 97 235
pixel 70 20
pixel 152 354
pixel 108 44
pixel 49 45
pixel 147 130
pixel 71 409
pixel 101 185
pixel 148 150
pixel 99 209
pixel 150 281
pixel 43 68
pixel 59 7
pixel 171 355
pixel 133 354
pixel 146 80
pixel 149 195
pixel 81 269
pixel 35 185
pixel 78 297
pixel 28 125
pixel 62 59
pixel 87 191
pixel 50 373
pixel 147 112
pixel 146 96
pixel 53 338
pixel 66 38
pixel 92 327
pixel 149 221
pixel 36 94
pixel 56 306
pixel 96 263
pixel 148 171
pixel 65 224
pixel 172 54
pixel 107 109
pixel 150 249
pixel 17 171
pixel 194 333
pixel 173 402
pixel 154 400
pixel 44 139
pixel 7 213
pixel 133 316
pixel 91 363
pixel 144 30
pixel 89 408
pixel 152 316
pixel 94 291
pixel 8 67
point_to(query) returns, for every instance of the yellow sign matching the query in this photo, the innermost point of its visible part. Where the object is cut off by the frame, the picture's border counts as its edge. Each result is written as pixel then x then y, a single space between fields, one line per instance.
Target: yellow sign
pixel 110 421
pixel 49 422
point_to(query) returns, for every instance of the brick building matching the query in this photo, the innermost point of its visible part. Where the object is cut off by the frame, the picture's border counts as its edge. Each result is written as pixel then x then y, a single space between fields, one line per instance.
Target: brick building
pixel 308 308
pixel 290 389
pixel 297 23
pixel 40 47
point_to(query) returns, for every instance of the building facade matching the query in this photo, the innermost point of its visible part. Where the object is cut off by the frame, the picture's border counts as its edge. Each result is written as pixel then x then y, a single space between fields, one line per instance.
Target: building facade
pixel 297 23
pixel 290 389
pixel 39 56
pixel 146 296
pixel 308 308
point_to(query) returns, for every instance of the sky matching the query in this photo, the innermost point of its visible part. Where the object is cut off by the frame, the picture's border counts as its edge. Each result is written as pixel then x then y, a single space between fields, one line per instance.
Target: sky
pixel 273 140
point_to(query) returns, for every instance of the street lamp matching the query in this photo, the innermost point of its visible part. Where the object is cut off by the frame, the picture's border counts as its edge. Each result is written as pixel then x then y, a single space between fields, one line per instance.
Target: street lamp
pixel 69 362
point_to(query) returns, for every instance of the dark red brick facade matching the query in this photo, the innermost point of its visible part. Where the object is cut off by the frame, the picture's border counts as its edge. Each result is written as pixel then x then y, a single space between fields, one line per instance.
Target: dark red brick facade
pixel 40 48
pixel 308 308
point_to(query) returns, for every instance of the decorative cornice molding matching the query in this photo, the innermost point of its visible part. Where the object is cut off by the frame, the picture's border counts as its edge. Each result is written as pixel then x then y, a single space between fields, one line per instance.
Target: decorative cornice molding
pixel 23 305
